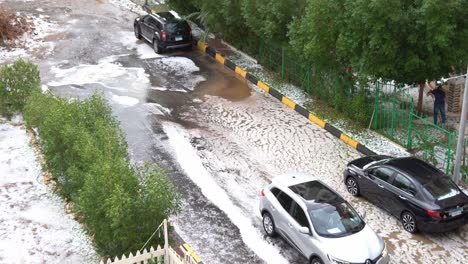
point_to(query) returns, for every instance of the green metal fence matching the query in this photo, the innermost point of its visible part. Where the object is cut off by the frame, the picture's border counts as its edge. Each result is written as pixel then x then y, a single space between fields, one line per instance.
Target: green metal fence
pixel 280 60
pixel 394 117
pixel 431 143
pixel 464 165
pixel 392 112
pixel 324 85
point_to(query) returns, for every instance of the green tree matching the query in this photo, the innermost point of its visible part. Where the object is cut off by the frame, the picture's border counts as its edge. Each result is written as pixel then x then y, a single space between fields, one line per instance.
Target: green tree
pixel 406 41
pixel 403 40
pixel 314 35
pixel 269 19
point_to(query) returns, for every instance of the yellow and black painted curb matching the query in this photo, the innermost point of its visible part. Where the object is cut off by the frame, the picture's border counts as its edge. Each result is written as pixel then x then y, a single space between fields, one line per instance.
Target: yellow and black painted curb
pixel 285 100
pixel 188 248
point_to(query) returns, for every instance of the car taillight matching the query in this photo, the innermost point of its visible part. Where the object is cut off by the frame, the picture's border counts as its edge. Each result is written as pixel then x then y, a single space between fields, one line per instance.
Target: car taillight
pixel 435 214
pixel 164 35
pixel 262 193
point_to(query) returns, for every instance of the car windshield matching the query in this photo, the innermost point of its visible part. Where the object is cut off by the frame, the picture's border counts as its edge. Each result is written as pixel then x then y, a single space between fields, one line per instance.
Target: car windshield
pixel 441 188
pixel 335 219
pixel 177 26
pixel 376 163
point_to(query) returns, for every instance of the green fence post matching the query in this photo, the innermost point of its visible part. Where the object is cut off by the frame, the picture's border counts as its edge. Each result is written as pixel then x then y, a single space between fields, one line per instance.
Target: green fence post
pixel 376 106
pixel 449 153
pixel 261 51
pixel 425 144
pixel 308 79
pixel 409 145
pixel 392 125
pixel 282 62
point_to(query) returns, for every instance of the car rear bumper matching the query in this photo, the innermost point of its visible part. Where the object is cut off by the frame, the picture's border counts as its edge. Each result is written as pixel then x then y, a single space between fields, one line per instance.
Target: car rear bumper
pixel 383 260
pixel 177 45
pixel 436 226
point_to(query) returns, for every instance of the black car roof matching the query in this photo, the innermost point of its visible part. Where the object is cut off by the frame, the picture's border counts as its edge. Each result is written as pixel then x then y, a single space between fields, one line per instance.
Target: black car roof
pixel 416 168
pixel 167 17
pixel 315 194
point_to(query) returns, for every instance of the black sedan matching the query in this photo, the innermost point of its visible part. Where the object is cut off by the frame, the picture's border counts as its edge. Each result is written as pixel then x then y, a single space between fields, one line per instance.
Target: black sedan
pixel 420 195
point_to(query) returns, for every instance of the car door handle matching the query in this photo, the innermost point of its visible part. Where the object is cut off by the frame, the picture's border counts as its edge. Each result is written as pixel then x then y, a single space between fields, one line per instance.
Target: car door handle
pixel 380 185
pixel 401 197
pixel 291 226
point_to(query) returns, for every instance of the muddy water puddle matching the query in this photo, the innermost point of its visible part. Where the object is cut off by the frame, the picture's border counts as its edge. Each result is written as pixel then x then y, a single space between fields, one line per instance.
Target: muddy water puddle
pixel 227 87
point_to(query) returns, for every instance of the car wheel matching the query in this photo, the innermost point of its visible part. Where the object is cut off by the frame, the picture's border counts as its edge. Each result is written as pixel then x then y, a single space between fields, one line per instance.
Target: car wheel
pixel 409 222
pixel 316 260
pixel 352 186
pixel 156 46
pixel 269 225
pixel 136 29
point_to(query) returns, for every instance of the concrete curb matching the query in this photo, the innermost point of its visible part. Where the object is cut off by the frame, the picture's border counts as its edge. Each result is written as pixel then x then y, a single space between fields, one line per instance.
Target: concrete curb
pixel 285 100
pixel 188 248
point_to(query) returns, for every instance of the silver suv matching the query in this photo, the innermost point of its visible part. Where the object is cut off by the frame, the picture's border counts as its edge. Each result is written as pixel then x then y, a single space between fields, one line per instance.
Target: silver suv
pixel 318 222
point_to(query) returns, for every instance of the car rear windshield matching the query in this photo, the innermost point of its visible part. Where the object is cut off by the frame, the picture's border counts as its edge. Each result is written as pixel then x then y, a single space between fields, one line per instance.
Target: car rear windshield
pixel 441 188
pixel 177 26
pixel 335 219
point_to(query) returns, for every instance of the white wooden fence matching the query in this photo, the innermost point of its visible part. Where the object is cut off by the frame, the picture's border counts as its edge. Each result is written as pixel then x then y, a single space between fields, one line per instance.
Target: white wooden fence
pixel 165 255
pixel 157 256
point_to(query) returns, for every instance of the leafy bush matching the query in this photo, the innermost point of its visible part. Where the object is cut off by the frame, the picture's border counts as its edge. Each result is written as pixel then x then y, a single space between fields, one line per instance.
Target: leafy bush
pixel 86 152
pixel 361 108
pixel 17 82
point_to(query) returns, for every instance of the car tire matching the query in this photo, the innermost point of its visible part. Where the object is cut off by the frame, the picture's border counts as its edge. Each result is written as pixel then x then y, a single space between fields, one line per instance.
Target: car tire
pixel 269 225
pixel 352 186
pixel 409 222
pixel 315 260
pixel 156 46
pixel 136 29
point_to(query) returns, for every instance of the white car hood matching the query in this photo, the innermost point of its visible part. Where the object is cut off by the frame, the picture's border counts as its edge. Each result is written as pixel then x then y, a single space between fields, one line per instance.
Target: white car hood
pixel 355 248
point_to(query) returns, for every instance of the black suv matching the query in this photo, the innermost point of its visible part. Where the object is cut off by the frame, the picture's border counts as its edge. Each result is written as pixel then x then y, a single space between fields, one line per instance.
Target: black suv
pixel 164 31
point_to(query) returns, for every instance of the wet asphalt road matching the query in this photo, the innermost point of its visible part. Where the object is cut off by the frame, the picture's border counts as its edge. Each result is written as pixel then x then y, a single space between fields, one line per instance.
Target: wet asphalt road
pixel 242 136
pixel 88 31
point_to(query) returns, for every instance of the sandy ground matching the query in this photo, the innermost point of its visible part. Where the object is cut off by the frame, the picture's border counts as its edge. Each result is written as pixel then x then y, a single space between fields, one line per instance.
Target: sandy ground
pixel 34 227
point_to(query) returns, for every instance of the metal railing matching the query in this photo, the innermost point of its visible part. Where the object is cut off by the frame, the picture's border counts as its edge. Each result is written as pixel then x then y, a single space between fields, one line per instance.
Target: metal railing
pixel 395 118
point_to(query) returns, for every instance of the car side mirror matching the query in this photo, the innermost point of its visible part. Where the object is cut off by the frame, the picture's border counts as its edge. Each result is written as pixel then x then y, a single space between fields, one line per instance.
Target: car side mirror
pixel 363 214
pixel 304 230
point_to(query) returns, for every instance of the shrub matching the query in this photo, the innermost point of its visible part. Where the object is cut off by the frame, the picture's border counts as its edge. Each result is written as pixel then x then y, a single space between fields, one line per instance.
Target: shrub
pixel 361 108
pixel 17 82
pixel 86 152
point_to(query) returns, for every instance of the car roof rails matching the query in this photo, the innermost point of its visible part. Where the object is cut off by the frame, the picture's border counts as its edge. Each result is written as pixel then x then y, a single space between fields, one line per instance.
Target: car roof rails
pixel 168 16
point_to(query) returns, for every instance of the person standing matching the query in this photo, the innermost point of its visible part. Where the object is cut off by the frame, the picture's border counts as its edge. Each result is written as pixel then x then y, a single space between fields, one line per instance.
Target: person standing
pixel 439 102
